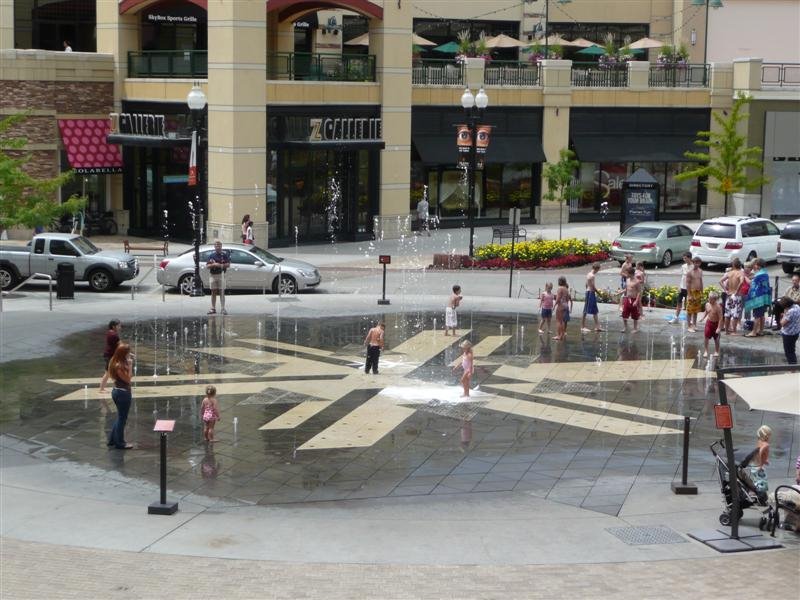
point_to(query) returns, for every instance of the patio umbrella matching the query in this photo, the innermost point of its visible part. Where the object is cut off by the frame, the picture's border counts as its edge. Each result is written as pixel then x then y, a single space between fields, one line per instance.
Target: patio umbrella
pixel 775 393
pixel 362 40
pixel 418 40
pixel 592 51
pixel 645 43
pixel 582 43
pixel 448 48
pixel 504 41
pixel 555 40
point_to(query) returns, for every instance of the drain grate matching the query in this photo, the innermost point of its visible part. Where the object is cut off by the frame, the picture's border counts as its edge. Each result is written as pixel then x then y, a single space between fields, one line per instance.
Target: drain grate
pixel 555 386
pixel 645 536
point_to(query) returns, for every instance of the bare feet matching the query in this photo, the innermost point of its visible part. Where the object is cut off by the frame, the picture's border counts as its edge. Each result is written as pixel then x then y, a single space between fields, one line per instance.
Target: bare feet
pixel 540 331
pixel 705 354
pixel 585 329
pixel 598 329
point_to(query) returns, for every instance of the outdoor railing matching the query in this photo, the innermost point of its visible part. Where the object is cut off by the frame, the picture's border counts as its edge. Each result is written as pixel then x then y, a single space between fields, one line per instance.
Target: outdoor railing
pixel 780 74
pixel 668 75
pixel 321 67
pixel 437 72
pixel 592 75
pixel 168 63
pixel 511 73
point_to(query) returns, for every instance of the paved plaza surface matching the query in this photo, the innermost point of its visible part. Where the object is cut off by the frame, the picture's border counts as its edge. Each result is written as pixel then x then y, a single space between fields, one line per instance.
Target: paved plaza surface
pixel 341 484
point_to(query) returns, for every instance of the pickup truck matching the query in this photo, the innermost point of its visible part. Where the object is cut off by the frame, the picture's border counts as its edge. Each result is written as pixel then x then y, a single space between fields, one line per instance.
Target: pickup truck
pixel 103 270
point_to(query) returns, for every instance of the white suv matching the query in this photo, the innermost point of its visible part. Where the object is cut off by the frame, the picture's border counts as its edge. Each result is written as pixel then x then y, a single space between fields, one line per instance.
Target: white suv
pixel 789 247
pixel 722 239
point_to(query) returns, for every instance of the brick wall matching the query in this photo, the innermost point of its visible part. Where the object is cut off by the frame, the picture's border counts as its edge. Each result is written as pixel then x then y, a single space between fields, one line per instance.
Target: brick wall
pixel 64 97
pixel 37 129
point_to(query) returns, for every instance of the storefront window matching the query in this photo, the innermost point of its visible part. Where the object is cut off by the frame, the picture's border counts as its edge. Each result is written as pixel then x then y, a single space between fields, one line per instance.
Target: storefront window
pixel 272 193
pixel 47 25
pixel 453 193
pixel 174 26
pixel 517 191
pixel 587 180
pixel 681 196
pixel 612 176
pixel 494 192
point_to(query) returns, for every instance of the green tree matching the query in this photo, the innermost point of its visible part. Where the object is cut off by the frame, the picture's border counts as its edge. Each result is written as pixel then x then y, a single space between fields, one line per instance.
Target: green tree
pixel 726 169
pixel 561 185
pixel 26 200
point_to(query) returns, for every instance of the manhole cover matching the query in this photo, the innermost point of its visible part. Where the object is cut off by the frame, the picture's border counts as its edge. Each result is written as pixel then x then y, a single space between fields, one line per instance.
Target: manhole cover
pixel 644 536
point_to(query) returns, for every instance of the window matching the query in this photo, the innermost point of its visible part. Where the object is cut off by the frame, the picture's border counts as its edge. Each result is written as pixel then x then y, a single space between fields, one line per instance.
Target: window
pixel 39 246
pixel 685 231
pixel 771 228
pixel 717 230
pixel 754 229
pixel 674 232
pixel 790 232
pixel 240 257
pixel 62 248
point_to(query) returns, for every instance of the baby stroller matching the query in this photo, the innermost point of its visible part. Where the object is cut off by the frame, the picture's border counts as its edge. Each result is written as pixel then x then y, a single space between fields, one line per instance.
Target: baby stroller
pixel 787 498
pixel 752 487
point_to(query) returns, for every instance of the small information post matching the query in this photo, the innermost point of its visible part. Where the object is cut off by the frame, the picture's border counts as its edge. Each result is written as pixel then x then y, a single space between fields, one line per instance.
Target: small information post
pixel 513 220
pixel 384 259
pixel 163 507
pixel 640 198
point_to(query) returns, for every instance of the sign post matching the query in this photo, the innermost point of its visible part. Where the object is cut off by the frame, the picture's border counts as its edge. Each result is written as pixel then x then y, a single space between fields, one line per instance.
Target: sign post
pixel 640 198
pixel 513 220
pixel 384 259
pixel 163 507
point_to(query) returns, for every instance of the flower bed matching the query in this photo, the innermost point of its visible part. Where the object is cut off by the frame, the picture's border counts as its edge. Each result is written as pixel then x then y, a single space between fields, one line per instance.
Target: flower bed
pixel 665 296
pixel 539 254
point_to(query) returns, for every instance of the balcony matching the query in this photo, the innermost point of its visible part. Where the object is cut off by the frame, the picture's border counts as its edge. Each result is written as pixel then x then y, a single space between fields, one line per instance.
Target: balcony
pixel 589 74
pixel 511 73
pixel 168 64
pixel 677 75
pixel 301 66
pixel 780 75
pixel 437 72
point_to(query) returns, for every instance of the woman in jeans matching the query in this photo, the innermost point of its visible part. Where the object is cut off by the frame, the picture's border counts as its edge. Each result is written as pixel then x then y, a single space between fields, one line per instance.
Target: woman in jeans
pixel 120 369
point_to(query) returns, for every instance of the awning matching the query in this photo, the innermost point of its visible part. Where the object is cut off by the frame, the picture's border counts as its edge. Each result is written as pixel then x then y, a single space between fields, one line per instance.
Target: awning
pixel 632 148
pixel 440 150
pixel 87 148
pixel 775 393
pixel 332 144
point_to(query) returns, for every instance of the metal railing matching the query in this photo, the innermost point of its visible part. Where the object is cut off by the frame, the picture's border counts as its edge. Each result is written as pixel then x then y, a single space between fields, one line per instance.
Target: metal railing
pixel 168 63
pixel 321 67
pixel 590 74
pixel 511 73
pixel 437 72
pixel 675 75
pixel 780 74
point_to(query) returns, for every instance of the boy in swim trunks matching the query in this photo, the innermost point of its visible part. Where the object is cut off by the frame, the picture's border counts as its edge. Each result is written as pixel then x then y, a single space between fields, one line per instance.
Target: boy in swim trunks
pixel 694 302
pixel 713 326
pixel 450 315
pixel 632 302
pixel 590 305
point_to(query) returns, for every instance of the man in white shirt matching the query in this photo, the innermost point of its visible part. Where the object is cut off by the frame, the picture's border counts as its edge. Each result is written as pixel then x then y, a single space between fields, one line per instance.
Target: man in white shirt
pixel 422 215
pixel 67 47
pixel 685 268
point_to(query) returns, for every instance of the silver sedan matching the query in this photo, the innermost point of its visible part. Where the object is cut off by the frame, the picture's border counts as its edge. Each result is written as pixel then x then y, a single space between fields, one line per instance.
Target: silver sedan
pixel 252 268
pixel 654 242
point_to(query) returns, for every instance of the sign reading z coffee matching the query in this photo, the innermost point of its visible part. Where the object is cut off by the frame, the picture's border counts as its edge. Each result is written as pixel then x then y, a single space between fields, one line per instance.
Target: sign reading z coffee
pixel 331 129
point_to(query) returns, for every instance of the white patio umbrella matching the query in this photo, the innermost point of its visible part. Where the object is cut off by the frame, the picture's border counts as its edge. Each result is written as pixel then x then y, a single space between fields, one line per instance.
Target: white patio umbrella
pixel 582 43
pixel 420 41
pixel 362 40
pixel 775 393
pixel 645 43
pixel 556 40
pixel 504 41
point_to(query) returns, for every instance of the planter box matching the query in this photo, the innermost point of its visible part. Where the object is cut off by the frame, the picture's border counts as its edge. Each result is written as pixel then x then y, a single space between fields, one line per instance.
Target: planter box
pixel 449 261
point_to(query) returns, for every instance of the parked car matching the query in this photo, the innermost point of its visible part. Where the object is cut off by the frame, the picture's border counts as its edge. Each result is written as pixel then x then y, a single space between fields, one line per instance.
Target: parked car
pixel 252 268
pixel 654 242
pixel 104 270
pixel 789 247
pixel 721 239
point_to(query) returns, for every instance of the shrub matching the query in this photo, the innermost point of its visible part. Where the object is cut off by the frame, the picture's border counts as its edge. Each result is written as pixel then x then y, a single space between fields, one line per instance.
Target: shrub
pixel 540 250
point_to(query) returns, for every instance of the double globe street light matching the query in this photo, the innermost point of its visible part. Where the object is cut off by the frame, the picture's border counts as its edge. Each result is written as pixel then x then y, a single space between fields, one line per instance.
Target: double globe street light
pixel 196 100
pixel 474 107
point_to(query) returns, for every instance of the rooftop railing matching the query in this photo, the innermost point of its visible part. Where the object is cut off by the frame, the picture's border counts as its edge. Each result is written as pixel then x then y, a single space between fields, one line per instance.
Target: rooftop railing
pixel 320 67
pixel 780 74
pixel 437 72
pixel 678 75
pixel 511 73
pixel 168 63
pixel 590 74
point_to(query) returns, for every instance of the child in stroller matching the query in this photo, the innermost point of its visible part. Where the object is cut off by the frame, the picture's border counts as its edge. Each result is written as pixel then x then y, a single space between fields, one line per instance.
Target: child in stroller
pixel 752 485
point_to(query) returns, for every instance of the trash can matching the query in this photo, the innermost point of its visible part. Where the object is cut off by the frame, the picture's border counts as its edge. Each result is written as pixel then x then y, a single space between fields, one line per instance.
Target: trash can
pixel 65 281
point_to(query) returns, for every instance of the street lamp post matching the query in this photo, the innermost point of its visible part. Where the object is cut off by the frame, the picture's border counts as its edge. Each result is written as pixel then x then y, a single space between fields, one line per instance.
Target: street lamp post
pixel 196 100
pixel 547 22
pixel 708 4
pixel 474 107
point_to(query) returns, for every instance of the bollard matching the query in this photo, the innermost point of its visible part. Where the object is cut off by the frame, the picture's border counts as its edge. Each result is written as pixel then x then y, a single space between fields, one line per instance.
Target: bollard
pixel 684 488
pixel 163 507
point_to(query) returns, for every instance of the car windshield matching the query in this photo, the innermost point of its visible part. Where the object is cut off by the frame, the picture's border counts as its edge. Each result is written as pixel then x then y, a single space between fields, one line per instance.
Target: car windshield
pixel 717 230
pixel 648 233
pixel 267 257
pixel 84 245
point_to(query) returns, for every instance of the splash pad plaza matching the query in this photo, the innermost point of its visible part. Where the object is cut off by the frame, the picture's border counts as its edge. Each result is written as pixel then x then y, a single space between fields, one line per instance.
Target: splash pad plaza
pixel 563 453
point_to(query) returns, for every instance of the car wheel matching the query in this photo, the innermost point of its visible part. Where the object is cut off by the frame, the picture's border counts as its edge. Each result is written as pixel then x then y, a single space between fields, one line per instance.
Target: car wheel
pixel 288 285
pixel 101 280
pixel 8 278
pixel 666 260
pixel 751 256
pixel 788 268
pixel 186 284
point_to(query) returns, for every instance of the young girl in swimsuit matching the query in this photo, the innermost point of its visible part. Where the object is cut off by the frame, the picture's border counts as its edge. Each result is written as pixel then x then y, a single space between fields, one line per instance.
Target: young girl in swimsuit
pixel 468 365
pixel 209 410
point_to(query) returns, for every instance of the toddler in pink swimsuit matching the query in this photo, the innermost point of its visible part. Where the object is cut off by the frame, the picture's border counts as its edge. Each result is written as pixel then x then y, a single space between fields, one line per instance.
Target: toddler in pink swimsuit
pixel 468 365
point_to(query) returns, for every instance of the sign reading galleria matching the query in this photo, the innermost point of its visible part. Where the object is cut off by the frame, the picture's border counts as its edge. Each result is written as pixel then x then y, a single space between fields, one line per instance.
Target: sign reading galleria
pixel 331 129
pixel 138 124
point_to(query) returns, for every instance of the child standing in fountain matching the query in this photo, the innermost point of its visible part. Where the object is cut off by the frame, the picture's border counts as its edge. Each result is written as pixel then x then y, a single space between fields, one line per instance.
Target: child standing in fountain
pixel 563 303
pixel 209 410
pixel 713 324
pixel 546 301
pixel 450 316
pixel 468 366
pixel 374 344
pixel 694 303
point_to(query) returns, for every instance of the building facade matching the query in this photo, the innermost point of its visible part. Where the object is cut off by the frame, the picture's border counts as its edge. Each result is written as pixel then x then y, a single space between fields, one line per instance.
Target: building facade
pixel 327 120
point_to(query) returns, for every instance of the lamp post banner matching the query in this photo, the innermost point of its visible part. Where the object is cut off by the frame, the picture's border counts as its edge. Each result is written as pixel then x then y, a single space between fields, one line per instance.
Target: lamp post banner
pixel 483 134
pixel 193 161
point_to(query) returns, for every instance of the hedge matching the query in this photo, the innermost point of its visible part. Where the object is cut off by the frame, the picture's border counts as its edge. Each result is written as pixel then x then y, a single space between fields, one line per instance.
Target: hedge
pixel 539 254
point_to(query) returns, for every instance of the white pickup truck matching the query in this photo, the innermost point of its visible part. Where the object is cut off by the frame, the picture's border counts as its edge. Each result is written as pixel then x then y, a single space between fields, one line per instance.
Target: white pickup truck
pixel 103 270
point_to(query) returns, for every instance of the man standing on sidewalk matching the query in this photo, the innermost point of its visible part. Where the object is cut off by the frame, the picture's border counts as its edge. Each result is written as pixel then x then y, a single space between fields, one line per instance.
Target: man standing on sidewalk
pixel 590 304
pixel 218 263
pixel 374 344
